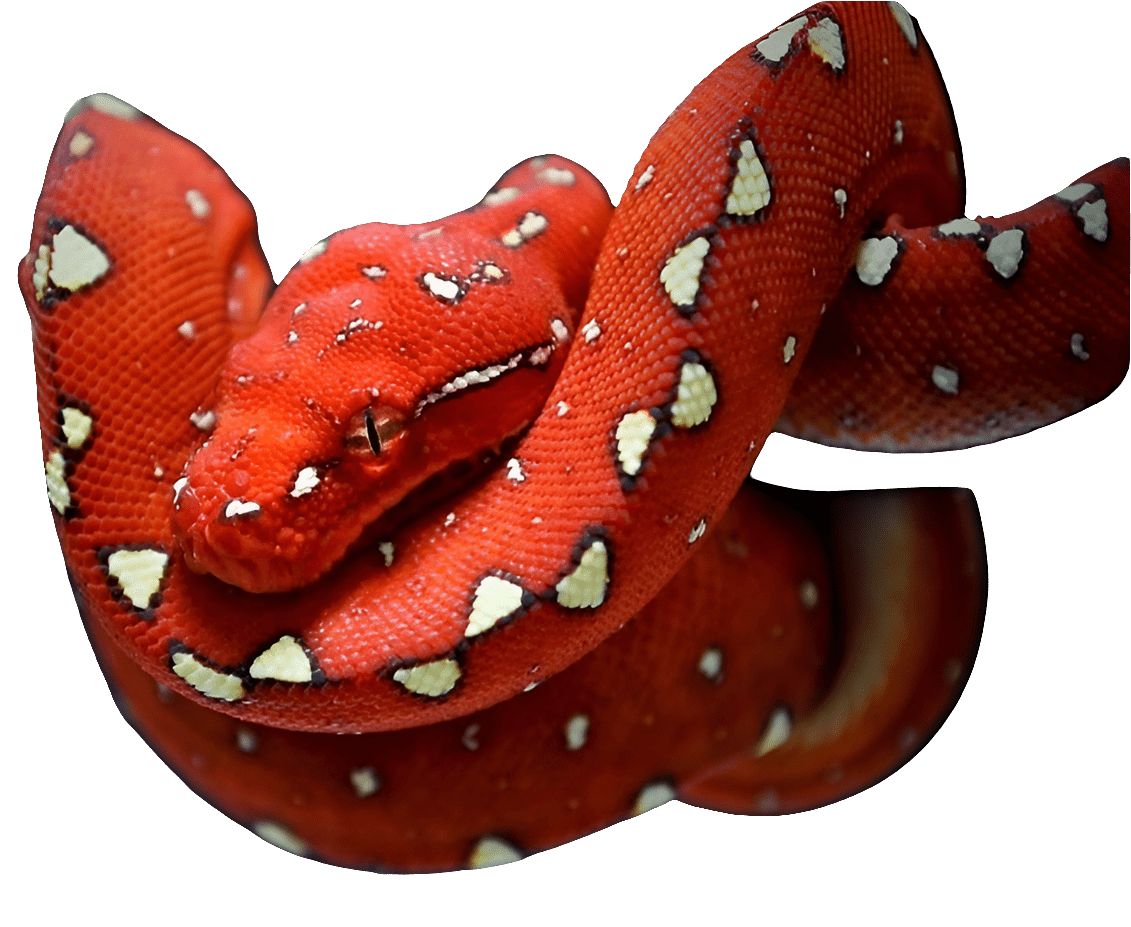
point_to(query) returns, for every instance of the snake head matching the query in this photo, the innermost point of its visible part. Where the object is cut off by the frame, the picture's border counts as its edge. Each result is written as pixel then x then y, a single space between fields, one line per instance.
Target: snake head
pixel 390 361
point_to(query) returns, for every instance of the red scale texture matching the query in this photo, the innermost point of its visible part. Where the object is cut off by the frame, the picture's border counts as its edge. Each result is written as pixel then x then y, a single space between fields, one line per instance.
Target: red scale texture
pixel 858 616
pixel 1009 340
pixel 655 720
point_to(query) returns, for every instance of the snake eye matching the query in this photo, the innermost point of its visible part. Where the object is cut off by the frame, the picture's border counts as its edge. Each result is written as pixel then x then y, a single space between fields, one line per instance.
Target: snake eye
pixel 372 430
pixel 381 426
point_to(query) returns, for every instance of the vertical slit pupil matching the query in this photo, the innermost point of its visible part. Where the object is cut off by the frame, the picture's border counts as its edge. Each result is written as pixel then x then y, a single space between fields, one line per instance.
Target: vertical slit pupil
pixel 371 432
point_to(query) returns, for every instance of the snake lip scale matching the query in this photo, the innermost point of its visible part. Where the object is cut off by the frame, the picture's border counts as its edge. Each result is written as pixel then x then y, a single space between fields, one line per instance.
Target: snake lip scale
pixel 217 511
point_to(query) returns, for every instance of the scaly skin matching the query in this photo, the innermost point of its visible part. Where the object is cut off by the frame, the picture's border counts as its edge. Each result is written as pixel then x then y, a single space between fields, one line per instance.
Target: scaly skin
pixel 505 584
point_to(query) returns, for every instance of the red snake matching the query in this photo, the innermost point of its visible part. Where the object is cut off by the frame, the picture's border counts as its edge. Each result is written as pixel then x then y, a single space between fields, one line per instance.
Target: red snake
pixel 207 642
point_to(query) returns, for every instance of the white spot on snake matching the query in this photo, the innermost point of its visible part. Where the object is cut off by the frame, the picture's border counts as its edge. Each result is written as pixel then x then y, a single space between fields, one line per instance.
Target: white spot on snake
pixel 109 105
pixel 514 470
pixel 205 421
pixel 305 482
pixel 73 261
pixel 652 796
pixel 591 330
pixel 961 226
pixel 774 46
pixel 42 267
pixel 313 251
pixel 840 197
pixel 530 225
pixel 207 681
pixel 493 851
pixel 58 492
pixel 495 600
pixel 750 190
pixel 809 595
pixel 825 42
pixel 776 733
pixel 711 663
pixel 645 177
pixel 1076 191
pixel 789 349
pixel 280 836
pixel 501 196
pixel 178 488
pixel 80 144
pixel 438 286
pixel 353 326
pixel 558 327
pixel 365 781
pixel 563 408
pixel 695 397
pixel 239 508
pixel 1094 217
pixel 633 433
pixel 285 660
pixel 557 176
pixel 197 203
pixel 874 259
pixel 387 551
pixel 375 272
pixel 905 22
pixel 187 330
pixel 576 731
pixel 431 679
pixel 77 426
pixel 1005 252
pixel 138 573
pixel 680 274
pixel 945 379
pixel 449 519
pixel 897 133
pixel 1079 351
pixel 246 741
pixel 585 586
pixel 698 531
